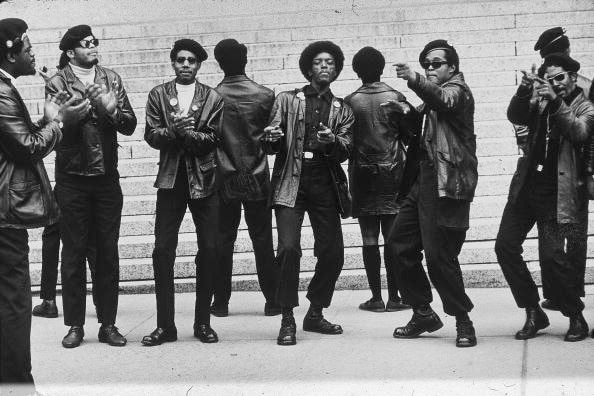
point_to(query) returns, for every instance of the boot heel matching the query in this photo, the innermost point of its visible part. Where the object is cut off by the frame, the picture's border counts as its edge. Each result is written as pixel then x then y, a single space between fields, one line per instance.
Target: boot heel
pixel 435 327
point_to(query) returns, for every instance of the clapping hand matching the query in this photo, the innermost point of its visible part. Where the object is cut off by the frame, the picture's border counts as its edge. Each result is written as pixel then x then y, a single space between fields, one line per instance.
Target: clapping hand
pixel 106 101
pixel 61 107
pixel 396 106
pixel 325 135
pixel 182 125
pixel 273 134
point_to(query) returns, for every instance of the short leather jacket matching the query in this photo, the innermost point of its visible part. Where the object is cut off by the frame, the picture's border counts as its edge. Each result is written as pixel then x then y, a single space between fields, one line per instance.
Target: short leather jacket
pixel 197 149
pixel 377 162
pixel 288 113
pixel 242 162
pixel 90 148
pixel 574 124
pixel 448 134
pixel 26 198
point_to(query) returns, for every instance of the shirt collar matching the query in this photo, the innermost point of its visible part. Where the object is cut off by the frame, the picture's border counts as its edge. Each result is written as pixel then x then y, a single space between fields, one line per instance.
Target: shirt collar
pixel 7 74
pixel 308 90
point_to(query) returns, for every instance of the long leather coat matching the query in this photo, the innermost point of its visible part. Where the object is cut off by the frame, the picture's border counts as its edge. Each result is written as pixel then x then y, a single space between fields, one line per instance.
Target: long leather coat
pixel 26 198
pixel 574 124
pixel 377 163
pixel 90 148
pixel 449 136
pixel 243 164
pixel 288 113
pixel 196 149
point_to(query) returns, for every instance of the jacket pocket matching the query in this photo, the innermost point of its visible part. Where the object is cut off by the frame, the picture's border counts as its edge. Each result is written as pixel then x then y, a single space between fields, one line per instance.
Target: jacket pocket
pixel 69 159
pixel 26 202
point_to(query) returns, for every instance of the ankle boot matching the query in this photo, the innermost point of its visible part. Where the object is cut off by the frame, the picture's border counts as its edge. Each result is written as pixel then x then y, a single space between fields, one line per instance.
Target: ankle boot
pixel 536 320
pixel 423 319
pixel 286 334
pixel 578 328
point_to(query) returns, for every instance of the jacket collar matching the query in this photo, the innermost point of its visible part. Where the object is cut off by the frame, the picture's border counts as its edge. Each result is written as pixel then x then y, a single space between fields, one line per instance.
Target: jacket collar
pixel 374 87
pixel 100 77
pixel 196 104
pixel 233 79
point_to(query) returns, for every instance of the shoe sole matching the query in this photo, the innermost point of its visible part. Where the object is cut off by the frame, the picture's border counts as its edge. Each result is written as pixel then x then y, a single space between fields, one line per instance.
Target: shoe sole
pixel 45 316
pixel 313 330
pixel 149 344
pixel 112 344
pixel 545 325
pixel 70 346
pixel 373 309
pixel 283 343
pixel 472 344
pixel 397 309
pixel 207 341
pixel 429 330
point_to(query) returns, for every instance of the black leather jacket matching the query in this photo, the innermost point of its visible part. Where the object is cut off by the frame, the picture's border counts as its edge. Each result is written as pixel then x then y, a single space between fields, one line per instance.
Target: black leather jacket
pixel 197 149
pixel 243 164
pixel 574 125
pixel 449 134
pixel 90 148
pixel 288 113
pixel 26 198
pixel 377 163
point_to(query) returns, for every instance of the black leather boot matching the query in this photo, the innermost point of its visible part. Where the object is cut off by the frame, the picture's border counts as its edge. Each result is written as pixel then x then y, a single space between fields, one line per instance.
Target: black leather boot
pixel 465 334
pixel 314 321
pixel 578 328
pixel 286 334
pixel 536 320
pixel 422 320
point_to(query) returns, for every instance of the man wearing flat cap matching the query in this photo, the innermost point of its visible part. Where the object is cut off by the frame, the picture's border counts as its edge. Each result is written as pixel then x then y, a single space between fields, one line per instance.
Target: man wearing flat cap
pixel 434 215
pixel 376 169
pixel 26 196
pixel 244 176
pixel 183 122
pixel 549 190
pixel 87 183
pixel 552 41
pixel 310 133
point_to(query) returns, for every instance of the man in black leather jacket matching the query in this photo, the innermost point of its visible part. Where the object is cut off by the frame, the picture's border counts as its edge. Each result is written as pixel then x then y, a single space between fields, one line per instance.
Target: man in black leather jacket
pixel 183 122
pixel 434 215
pixel 26 199
pixel 244 176
pixel 87 183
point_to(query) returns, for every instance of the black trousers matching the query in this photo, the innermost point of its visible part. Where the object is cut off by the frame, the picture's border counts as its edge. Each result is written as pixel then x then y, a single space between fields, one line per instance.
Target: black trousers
pixel 50 253
pixel 436 226
pixel 171 207
pixel 562 251
pixel 316 197
pixel 90 206
pixel 258 217
pixel 15 308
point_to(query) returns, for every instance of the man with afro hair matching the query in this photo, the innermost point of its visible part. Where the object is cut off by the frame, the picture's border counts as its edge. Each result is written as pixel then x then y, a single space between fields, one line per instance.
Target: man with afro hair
pixel 310 133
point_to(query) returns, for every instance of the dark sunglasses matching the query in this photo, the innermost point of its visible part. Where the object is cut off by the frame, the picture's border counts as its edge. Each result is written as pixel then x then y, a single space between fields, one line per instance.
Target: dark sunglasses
pixel 435 64
pixel 87 43
pixel 182 60
pixel 557 77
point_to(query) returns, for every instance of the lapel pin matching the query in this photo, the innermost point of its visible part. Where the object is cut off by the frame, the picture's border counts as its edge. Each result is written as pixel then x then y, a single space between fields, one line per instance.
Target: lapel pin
pixel 336 104
pixel 173 102
pixel 300 96
pixel 194 107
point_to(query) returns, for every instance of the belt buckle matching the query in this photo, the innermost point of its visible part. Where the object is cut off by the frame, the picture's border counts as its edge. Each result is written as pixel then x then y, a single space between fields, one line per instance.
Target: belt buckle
pixel 308 155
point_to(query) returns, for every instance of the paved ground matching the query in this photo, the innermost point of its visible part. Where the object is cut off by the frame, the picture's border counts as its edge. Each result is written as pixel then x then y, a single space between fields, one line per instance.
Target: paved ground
pixel 364 360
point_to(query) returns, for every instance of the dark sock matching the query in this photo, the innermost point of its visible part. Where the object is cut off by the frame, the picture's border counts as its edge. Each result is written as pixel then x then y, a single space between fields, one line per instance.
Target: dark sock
pixel 287 312
pixel 314 310
pixel 424 310
pixel 372 262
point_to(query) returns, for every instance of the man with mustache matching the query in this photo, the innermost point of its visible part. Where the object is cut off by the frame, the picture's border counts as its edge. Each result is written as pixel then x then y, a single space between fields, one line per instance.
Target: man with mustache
pixel 434 214
pixel 549 189
pixel 310 133
pixel 25 195
pixel 183 122
pixel 87 183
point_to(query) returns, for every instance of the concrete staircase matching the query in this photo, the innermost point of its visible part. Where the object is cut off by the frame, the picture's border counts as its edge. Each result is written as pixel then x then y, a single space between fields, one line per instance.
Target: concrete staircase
pixel 494 40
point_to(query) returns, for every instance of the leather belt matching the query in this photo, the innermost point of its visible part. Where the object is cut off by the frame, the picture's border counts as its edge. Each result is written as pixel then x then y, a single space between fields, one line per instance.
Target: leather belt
pixel 309 156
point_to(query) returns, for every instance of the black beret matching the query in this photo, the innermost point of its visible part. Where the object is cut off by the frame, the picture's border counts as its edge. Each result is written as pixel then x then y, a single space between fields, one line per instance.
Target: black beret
pixel 368 60
pixel 315 48
pixel 73 35
pixel 188 45
pixel 230 52
pixel 552 40
pixel 11 32
pixel 562 60
pixel 443 45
